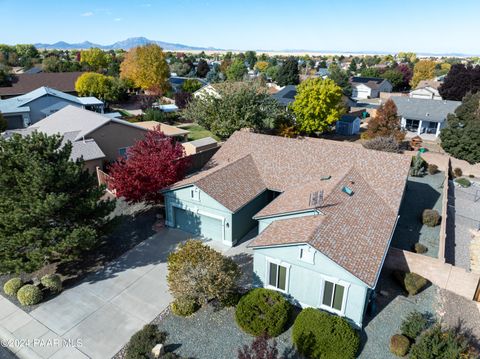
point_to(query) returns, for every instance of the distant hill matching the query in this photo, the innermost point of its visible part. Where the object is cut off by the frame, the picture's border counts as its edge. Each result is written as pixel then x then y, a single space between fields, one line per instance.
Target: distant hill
pixel 125 45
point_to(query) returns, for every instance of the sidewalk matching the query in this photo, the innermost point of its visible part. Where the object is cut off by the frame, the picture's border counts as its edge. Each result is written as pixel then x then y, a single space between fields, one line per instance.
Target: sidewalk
pixel 96 318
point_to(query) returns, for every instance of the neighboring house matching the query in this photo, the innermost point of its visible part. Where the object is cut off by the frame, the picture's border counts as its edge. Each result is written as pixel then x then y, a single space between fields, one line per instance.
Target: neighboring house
pixel 177 82
pixel 369 87
pixel 25 110
pixel 95 138
pixel 429 83
pixel 323 73
pixel 325 210
pixel 426 92
pixel 24 83
pixel 208 90
pixel 199 145
pixel 168 130
pixel 286 95
pixel 424 116
pixel 348 125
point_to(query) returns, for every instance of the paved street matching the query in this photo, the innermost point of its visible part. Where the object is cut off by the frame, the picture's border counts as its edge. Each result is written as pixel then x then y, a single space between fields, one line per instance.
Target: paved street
pixel 113 303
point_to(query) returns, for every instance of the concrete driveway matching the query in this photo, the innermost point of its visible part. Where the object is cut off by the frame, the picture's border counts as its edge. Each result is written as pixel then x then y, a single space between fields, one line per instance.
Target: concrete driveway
pixel 96 318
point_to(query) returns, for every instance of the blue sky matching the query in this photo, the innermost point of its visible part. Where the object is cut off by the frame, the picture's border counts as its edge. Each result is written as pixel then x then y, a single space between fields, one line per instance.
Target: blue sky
pixel 440 26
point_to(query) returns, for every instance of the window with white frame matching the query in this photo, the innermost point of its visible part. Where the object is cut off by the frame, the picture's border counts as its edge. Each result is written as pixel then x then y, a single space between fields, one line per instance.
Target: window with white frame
pixel 195 193
pixel 307 254
pixel 333 295
pixel 277 276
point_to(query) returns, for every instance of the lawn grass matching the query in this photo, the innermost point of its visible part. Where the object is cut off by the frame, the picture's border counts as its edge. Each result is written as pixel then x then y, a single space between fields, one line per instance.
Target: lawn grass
pixel 197 132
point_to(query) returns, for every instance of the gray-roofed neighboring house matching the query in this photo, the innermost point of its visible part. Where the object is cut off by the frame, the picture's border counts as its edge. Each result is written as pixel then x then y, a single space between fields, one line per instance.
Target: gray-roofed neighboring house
pixel 286 95
pixel 369 87
pixel 424 116
pixel 95 138
pixel 25 110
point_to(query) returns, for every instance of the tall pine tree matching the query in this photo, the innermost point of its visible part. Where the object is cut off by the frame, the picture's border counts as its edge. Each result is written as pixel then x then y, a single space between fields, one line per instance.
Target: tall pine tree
pixel 50 206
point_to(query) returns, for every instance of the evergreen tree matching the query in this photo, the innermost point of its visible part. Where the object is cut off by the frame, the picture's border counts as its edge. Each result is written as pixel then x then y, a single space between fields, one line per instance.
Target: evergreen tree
pixel 288 73
pixel 50 206
pixel 202 68
pixel 461 137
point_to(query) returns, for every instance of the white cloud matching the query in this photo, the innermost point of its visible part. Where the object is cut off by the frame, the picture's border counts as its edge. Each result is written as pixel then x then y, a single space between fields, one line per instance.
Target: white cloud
pixel 117 19
pixel 88 13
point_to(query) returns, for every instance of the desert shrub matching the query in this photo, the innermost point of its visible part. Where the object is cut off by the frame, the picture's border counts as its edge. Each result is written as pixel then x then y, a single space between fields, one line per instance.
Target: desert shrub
pixel 260 348
pixel 432 169
pixel 442 344
pixel 430 217
pixel 386 144
pixel 317 334
pixel 201 273
pixel 142 342
pixel 399 345
pixel 12 286
pixel 419 165
pixel 420 248
pixel 29 294
pixel 414 324
pixel 457 171
pixel 184 306
pixel 263 311
pixel 411 282
pixel 463 182
pixel 52 282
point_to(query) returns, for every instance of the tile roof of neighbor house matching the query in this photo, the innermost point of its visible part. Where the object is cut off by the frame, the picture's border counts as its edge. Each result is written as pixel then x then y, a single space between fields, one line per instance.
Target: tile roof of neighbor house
pixel 286 95
pixel 166 129
pixel 20 103
pixel 424 109
pixel 23 83
pixel 74 124
pixel 428 83
pixel 372 82
pixel 249 163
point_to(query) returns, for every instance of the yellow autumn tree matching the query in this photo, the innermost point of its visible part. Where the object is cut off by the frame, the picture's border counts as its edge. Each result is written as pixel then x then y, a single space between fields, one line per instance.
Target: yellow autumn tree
pixel 147 67
pixel 318 105
pixel 95 58
pixel 262 66
pixel 423 70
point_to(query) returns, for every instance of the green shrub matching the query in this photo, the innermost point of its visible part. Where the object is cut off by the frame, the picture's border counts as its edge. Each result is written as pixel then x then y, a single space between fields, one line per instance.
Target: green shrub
pixel 432 169
pixel 231 300
pixel 443 344
pixel 430 217
pixel 52 282
pixel 184 307
pixel 142 342
pixel 263 311
pixel 317 334
pixel 399 345
pixel 411 282
pixel 216 276
pixel 463 182
pixel 414 324
pixel 420 248
pixel 12 286
pixel 29 294
pixel 418 166
pixel 457 171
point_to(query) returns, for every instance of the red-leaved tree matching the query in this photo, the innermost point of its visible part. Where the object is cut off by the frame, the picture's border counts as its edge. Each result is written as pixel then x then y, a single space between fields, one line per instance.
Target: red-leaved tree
pixel 151 164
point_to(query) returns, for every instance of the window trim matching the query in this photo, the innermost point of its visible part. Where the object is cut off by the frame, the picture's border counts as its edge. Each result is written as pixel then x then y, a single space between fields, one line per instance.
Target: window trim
pixel 335 281
pixel 278 262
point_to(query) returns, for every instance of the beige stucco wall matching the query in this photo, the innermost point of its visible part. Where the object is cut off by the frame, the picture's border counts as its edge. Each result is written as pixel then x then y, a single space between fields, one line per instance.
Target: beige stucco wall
pixel 92 165
pixel 113 136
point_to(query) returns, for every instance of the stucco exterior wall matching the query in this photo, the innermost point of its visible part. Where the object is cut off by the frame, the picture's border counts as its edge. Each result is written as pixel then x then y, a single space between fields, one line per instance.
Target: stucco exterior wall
pixel 305 280
pixel 92 165
pixel 113 136
pixel 44 102
pixel 243 220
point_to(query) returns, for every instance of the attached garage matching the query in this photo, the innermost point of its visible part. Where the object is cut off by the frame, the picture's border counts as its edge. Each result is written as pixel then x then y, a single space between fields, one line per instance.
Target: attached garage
pixel 199 224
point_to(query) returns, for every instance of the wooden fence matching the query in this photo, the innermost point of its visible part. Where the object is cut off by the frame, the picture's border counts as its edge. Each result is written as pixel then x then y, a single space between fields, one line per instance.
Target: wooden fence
pixel 104 179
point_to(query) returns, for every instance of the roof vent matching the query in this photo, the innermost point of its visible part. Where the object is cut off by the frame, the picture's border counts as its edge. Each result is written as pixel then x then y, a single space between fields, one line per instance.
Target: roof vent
pixel 427 114
pixel 316 199
pixel 324 178
pixel 347 190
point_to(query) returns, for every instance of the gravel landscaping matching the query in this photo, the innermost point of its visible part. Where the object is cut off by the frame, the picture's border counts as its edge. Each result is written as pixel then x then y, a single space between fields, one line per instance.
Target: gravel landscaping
pixel 392 307
pixel 131 224
pixel 422 193
pixel 463 216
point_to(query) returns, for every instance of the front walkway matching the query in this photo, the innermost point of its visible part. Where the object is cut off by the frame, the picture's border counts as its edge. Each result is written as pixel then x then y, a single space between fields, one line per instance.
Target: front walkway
pixel 97 317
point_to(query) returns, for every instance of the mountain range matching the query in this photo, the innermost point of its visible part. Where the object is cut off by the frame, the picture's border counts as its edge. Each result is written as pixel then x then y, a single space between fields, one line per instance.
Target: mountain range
pixel 125 45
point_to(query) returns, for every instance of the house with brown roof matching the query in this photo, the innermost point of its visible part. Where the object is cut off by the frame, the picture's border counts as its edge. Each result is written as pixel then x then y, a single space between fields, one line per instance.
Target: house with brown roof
pixel 325 211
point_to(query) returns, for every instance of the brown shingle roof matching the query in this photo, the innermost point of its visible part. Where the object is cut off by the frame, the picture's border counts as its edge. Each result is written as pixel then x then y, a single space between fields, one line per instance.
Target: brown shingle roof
pixel 23 83
pixel 353 231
